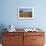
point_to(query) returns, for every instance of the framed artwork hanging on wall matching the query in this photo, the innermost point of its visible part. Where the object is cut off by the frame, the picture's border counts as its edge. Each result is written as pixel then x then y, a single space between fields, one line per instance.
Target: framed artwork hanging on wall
pixel 25 13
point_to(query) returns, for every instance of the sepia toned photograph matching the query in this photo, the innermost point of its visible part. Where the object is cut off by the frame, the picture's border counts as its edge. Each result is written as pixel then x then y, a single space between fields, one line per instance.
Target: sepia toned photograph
pixel 25 13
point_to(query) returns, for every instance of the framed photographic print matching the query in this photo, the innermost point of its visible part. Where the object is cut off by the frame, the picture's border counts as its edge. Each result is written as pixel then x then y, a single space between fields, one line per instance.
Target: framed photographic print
pixel 25 13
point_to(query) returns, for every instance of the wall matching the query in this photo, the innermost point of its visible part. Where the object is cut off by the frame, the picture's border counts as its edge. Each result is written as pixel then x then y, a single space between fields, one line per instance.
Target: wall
pixel 9 13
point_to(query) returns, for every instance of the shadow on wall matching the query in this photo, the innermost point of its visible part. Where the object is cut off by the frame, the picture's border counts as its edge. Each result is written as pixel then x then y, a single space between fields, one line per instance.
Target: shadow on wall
pixel 2 26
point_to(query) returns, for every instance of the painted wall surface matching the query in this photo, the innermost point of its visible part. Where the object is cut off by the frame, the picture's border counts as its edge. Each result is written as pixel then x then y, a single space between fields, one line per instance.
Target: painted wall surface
pixel 9 13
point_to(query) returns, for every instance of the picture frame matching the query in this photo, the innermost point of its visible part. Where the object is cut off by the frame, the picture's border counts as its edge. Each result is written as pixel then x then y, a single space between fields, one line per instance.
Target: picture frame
pixel 25 13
